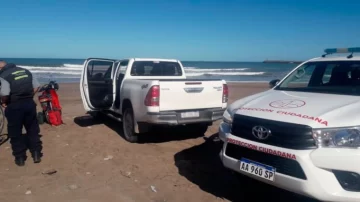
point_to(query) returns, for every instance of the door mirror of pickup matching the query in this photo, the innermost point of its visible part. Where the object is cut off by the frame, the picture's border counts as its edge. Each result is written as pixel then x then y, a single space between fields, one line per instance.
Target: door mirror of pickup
pixel 273 83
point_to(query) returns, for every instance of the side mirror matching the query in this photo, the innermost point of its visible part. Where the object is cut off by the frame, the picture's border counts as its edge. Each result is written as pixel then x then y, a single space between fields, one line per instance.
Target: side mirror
pixel 273 83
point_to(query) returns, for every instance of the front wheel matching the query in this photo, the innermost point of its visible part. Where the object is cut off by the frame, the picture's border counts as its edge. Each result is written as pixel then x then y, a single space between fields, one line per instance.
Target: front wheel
pixel 47 118
pixel 129 126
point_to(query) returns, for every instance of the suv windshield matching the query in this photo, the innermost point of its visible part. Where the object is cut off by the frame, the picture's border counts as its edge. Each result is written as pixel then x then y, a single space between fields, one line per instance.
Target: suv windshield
pixel 155 68
pixel 335 77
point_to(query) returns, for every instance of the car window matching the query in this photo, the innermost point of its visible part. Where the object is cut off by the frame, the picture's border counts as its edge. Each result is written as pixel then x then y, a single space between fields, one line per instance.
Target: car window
pixel 154 68
pixel 123 66
pixel 339 77
pixel 99 70
pixel 327 73
pixel 301 76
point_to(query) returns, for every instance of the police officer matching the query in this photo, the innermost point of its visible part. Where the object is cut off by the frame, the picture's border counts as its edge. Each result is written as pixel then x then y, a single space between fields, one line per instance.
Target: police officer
pixel 18 87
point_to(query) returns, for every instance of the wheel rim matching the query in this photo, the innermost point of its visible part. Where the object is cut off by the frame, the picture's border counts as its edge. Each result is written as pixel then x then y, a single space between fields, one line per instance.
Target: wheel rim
pixel 128 127
pixel 47 117
pixel 2 120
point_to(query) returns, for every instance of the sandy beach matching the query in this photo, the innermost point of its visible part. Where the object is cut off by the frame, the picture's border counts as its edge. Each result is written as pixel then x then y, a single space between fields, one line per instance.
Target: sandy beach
pixel 94 163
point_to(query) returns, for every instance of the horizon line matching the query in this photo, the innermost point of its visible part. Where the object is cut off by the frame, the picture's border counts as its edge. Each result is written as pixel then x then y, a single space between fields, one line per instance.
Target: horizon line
pixel 63 58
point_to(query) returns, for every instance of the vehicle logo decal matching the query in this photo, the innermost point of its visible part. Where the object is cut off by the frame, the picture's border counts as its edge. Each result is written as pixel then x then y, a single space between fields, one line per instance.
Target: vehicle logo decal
pixel 262 149
pixel 218 88
pixel 260 132
pixel 194 90
pixel 144 86
pixel 287 104
pixel 287 113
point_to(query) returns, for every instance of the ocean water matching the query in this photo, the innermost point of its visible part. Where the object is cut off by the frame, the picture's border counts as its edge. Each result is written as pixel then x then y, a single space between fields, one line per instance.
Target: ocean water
pixel 69 70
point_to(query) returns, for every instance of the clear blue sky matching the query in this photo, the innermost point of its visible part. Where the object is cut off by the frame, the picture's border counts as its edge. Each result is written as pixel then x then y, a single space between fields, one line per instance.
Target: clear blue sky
pixel 223 30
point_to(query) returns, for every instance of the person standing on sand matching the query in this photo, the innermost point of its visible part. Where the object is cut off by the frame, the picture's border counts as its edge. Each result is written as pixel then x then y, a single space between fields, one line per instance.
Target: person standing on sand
pixel 20 110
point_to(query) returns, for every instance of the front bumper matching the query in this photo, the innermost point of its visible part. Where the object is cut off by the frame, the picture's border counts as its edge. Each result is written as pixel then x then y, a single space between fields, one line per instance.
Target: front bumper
pixel 317 165
pixel 174 117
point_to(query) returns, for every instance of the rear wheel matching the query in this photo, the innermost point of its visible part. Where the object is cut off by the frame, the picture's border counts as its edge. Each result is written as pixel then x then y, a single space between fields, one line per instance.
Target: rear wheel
pixel 129 126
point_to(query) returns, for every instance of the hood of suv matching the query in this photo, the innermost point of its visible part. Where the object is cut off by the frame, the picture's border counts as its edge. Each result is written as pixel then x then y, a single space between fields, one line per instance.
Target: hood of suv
pixel 317 110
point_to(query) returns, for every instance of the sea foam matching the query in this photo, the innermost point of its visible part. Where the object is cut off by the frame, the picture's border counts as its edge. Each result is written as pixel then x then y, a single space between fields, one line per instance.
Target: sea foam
pixel 76 69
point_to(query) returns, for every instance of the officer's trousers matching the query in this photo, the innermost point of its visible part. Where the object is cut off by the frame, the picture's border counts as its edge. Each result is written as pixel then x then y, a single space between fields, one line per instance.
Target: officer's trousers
pixel 19 114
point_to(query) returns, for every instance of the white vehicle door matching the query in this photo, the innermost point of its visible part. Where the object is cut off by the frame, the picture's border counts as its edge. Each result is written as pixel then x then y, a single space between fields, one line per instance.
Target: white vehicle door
pixel 96 84
pixel 119 75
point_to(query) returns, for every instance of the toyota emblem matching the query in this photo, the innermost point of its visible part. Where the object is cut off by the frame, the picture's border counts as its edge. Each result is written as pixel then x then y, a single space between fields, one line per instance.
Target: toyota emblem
pixel 287 104
pixel 261 132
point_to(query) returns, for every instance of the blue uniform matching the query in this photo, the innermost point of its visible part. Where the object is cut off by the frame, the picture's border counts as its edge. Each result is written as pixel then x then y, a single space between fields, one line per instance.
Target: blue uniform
pixel 5 86
pixel 17 85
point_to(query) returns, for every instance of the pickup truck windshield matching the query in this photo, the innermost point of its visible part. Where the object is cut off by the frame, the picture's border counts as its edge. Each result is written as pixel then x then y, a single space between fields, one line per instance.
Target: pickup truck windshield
pixel 155 68
pixel 334 77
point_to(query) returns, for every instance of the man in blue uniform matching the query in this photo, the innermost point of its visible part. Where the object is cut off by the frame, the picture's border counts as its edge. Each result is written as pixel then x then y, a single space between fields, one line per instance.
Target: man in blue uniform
pixel 18 87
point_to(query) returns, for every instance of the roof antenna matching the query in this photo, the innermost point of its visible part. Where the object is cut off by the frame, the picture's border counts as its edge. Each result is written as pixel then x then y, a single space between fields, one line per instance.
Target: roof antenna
pixel 351 55
pixel 326 54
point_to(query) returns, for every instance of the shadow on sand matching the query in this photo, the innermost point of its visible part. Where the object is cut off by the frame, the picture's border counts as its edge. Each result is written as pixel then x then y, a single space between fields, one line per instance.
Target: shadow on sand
pixel 202 166
pixel 157 134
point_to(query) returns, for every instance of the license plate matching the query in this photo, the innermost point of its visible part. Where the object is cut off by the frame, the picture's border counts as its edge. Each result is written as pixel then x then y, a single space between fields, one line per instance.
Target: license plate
pixel 257 169
pixel 189 114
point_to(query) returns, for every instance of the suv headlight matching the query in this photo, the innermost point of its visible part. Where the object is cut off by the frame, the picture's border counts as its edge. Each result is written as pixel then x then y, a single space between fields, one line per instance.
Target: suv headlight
pixel 228 116
pixel 337 137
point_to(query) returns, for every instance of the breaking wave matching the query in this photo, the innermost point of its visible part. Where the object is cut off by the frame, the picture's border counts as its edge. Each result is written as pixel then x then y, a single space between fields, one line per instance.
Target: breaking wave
pixel 75 69
pixel 69 69
pixel 193 71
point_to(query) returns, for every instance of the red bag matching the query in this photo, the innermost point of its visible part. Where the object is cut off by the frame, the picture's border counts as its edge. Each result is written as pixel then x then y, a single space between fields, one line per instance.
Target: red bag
pixel 54 113
pixel 54 100
pixel 54 117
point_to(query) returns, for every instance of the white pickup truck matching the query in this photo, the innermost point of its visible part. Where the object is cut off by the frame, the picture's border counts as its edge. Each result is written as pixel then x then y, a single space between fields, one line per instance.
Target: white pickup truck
pixel 142 92
pixel 303 134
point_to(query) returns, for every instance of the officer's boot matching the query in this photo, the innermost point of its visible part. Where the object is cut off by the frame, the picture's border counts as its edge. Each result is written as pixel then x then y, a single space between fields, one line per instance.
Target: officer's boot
pixel 37 157
pixel 20 161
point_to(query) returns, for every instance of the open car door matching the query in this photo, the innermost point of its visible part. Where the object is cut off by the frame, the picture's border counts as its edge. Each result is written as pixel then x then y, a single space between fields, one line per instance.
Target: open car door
pixel 96 84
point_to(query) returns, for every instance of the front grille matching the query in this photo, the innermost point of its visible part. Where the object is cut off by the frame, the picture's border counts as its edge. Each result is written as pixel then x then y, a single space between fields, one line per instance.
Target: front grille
pixel 283 165
pixel 286 135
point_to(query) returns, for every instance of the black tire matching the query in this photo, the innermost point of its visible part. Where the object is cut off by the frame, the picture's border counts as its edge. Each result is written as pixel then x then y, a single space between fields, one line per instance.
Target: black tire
pixel 40 117
pixel 46 115
pixel 129 126
pixel 2 120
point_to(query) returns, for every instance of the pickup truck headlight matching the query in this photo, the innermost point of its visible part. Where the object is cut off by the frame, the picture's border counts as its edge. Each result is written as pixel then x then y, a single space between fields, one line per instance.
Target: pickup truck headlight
pixel 337 137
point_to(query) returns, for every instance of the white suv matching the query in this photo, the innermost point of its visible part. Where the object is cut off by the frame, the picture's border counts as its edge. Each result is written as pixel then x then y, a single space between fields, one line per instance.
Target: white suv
pixel 302 135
